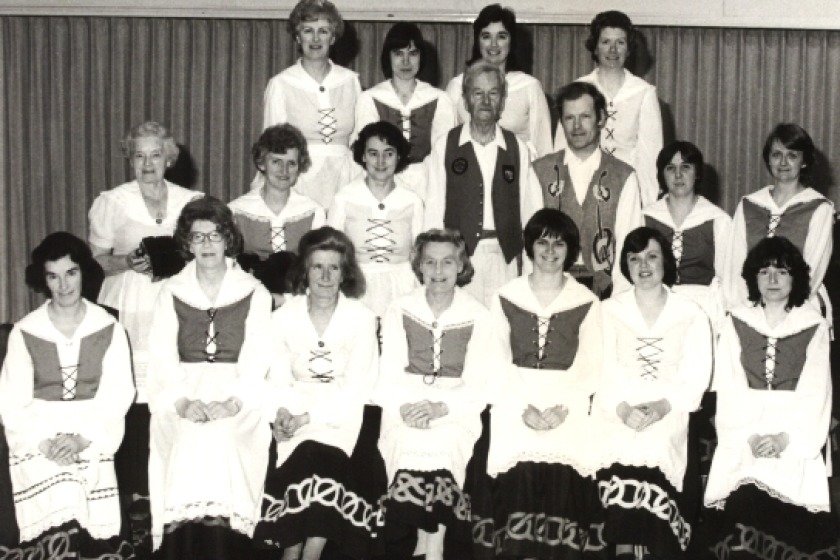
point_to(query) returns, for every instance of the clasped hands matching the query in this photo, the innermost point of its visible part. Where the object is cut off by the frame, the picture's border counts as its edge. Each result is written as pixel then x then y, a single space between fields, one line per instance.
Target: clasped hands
pixel 199 411
pixel 419 414
pixel 547 419
pixel 643 415
pixel 138 262
pixel 63 449
pixel 286 424
pixel 768 446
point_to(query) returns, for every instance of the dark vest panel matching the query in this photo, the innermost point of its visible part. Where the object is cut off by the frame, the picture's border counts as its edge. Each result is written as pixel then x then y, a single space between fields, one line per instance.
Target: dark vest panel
pixel 259 232
pixel 48 384
pixel 562 340
pixel 793 224
pixel 193 326
pixel 465 193
pixel 697 265
pixel 421 126
pixel 453 348
pixel 791 353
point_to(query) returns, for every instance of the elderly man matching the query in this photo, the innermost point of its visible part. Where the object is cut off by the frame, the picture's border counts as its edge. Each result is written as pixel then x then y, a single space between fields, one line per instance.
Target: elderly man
pixel 597 190
pixel 481 183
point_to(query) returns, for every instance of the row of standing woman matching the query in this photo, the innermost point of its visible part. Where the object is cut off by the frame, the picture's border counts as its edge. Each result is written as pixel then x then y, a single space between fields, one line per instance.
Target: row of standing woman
pixel 565 475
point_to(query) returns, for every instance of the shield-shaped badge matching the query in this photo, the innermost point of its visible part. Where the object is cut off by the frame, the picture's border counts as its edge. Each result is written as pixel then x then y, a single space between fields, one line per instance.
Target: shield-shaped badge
pixel 508 173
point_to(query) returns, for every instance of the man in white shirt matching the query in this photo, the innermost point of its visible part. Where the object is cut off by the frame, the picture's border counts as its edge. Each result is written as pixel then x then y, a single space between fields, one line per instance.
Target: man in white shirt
pixel 597 190
pixel 481 183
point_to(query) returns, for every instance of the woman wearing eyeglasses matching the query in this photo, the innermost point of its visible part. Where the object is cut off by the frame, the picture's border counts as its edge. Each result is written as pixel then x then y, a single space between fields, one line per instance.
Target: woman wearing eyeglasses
pixel 209 449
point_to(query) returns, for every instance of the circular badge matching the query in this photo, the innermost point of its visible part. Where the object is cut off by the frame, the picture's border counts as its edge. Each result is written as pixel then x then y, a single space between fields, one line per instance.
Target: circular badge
pixel 459 166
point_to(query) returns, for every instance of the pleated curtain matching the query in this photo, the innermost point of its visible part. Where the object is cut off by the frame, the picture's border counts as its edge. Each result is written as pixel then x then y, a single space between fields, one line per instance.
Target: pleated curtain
pixel 70 88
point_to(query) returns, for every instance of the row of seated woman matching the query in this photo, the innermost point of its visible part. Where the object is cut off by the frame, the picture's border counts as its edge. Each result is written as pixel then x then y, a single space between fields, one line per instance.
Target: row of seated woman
pixel 256 442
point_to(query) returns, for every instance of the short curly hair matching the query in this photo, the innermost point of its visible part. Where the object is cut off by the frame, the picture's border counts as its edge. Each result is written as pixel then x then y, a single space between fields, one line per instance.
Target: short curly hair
pixel 793 137
pixel 150 129
pixel 444 235
pixel 611 18
pixel 689 153
pixel 552 223
pixel 327 238
pixel 637 241
pixel 495 13
pixel 388 133
pixel 279 139
pixel 56 246
pixel 313 10
pixel 401 36
pixel 778 252
pixel 211 209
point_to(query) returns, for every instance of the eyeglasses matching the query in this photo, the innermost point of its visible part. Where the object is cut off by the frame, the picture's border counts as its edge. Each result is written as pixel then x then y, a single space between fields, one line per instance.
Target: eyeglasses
pixel 198 237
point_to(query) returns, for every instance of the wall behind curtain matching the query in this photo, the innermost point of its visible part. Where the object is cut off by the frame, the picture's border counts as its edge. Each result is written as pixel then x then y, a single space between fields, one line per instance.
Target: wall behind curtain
pixel 70 87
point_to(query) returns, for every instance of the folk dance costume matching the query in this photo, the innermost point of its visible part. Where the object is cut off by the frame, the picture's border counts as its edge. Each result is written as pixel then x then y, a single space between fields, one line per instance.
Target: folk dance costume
pixel 601 195
pixel 208 474
pixel 383 233
pixel 699 245
pixel 427 116
pixel 806 220
pixel 311 489
pixel 633 130
pixel 119 220
pixel 487 193
pixel 264 232
pixel 324 113
pixel 640 476
pixel 544 496
pixel 439 359
pixel 526 112
pixel 772 380
pixel 51 385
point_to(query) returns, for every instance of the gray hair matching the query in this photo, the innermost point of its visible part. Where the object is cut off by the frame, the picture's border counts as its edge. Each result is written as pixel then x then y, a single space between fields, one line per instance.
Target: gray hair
pixel 150 129
pixel 480 67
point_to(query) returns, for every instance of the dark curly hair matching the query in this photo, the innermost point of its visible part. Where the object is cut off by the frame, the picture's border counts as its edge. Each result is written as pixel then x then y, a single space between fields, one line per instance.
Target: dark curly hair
pixel 279 139
pixel 211 209
pixel 611 18
pixel 552 223
pixel 55 247
pixel 401 36
pixel 778 252
pixel 388 133
pixel 329 239
pixel 689 153
pixel 445 235
pixel 495 13
pixel 637 241
pixel 793 137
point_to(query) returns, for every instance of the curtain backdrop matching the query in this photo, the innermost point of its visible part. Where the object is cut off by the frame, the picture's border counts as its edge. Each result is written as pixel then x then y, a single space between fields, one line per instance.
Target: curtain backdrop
pixel 70 88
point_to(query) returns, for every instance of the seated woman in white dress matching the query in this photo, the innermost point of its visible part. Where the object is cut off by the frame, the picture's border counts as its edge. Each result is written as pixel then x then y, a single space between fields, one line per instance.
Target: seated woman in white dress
pixel 65 388
pixel 319 98
pixel 422 112
pixel 209 446
pixel 773 381
pixel 379 216
pixel 656 364
pixel 633 129
pixel 323 372
pixel 273 217
pixel 432 369
pixel 526 111
pixel 547 328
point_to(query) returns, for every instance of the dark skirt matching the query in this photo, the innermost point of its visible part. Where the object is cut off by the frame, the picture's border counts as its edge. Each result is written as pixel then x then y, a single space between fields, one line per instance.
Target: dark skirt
pixel 480 487
pixel 547 510
pixel 755 525
pixel 69 540
pixel 9 534
pixel 210 538
pixel 315 494
pixel 424 500
pixel 640 507
pixel 131 463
